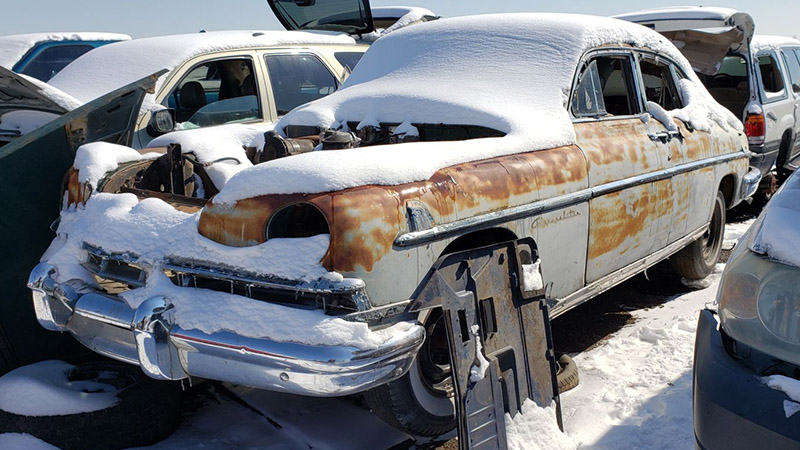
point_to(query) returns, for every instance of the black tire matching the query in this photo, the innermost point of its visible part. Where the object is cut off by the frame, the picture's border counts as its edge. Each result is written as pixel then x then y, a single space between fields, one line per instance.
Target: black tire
pixel 147 411
pixel 697 260
pixel 420 402
pixel 567 374
pixel 7 361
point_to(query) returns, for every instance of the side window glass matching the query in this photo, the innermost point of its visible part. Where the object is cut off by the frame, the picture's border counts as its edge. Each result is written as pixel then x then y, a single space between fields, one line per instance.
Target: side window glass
pixel 298 79
pixel 605 88
pixel 348 59
pixel 659 86
pixel 216 92
pixel 588 98
pixel 51 60
pixel 792 65
pixel 771 77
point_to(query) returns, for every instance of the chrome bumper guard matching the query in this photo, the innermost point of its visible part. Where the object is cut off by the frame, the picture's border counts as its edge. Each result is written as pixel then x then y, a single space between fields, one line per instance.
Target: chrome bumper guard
pixel 149 337
pixel 750 183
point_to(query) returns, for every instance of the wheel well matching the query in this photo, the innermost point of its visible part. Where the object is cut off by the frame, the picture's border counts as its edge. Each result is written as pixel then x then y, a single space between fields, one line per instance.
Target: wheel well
pixel 727 187
pixel 478 239
pixel 783 151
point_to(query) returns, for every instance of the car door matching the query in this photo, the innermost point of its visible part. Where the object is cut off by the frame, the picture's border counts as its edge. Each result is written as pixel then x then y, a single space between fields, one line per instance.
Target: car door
pixel 297 77
pixel 791 59
pixel 212 89
pixel 625 211
pixel 777 103
pixel 686 196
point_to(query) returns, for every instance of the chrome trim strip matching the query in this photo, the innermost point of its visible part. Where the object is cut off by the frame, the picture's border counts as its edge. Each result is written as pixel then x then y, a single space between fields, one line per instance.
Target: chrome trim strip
pixel 613 279
pixel 494 218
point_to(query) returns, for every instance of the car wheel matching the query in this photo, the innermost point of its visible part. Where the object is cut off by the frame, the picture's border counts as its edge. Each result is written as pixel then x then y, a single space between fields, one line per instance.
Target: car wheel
pixel 146 411
pixel 7 361
pixel 697 260
pixel 421 401
pixel 567 374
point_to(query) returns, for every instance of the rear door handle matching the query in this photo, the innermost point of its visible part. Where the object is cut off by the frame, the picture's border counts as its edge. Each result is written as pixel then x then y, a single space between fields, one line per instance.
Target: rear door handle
pixel 664 136
pixel 772 116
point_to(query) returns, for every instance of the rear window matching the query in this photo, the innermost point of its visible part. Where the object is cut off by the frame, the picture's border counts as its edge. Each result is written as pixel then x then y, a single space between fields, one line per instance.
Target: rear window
pixel 51 60
pixel 605 88
pixel 348 59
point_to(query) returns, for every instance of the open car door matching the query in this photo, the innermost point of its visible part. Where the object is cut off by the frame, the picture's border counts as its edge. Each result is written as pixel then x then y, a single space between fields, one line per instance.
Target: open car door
pixel 346 16
pixel 705 35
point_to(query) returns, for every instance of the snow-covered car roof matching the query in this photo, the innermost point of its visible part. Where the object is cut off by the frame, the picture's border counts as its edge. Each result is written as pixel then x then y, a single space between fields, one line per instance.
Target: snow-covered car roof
pixel 768 42
pixel 112 66
pixel 14 46
pixel 517 82
pixel 396 12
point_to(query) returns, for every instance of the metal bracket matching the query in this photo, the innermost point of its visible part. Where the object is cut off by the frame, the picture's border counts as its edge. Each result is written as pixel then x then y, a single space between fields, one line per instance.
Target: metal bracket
pixel 499 337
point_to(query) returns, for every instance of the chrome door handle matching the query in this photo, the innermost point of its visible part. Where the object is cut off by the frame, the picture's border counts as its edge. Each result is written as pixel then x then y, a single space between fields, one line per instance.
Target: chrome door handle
pixel 662 137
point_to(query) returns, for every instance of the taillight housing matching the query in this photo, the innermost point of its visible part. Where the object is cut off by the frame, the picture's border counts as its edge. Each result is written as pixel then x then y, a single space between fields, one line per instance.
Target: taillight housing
pixel 755 129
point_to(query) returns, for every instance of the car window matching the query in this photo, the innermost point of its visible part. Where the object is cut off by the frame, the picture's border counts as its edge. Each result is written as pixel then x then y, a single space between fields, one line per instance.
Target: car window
pixel 216 92
pixel 51 60
pixel 659 85
pixel 298 79
pixel 605 88
pixel 792 65
pixel 348 59
pixel 771 77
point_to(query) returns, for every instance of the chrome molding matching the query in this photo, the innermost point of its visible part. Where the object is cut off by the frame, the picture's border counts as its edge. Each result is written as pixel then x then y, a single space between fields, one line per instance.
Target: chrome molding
pixel 494 218
pixel 560 306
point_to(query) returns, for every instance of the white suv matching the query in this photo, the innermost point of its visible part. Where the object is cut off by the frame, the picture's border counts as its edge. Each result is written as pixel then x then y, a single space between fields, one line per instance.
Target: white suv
pixel 756 77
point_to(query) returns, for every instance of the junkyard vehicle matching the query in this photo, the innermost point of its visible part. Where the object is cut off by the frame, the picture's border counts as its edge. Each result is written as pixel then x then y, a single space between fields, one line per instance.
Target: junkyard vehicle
pixel 756 77
pixel 214 78
pixel 748 351
pixel 42 55
pixel 591 136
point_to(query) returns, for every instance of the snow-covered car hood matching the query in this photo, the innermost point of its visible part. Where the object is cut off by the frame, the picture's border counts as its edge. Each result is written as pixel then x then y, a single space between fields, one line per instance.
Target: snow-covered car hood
pixel 704 34
pixel 14 47
pixel 22 92
pixel 112 66
pixel 518 83
pixel 777 235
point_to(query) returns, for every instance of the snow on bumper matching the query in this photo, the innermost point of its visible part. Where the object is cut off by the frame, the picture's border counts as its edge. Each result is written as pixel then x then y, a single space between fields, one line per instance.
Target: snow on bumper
pixel 148 336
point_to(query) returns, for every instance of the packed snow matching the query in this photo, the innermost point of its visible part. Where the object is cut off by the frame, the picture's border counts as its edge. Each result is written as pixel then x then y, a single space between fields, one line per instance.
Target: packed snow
pixel 113 66
pixel 221 147
pixel 19 441
pixel 426 74
pixel 778 236
pixel 532 276
pixel 14 47
pixel 160 233
pixel 25 121
pixel 94 160
pixel 536 429
pixel 44 389
pixel 54 94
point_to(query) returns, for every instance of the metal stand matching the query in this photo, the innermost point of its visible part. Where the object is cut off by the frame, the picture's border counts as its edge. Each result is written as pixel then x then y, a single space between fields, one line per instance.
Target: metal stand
pixel 491 319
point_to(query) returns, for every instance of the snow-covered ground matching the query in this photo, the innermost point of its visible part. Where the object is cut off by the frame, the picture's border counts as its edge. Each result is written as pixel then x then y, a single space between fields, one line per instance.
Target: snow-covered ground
pixel 635 392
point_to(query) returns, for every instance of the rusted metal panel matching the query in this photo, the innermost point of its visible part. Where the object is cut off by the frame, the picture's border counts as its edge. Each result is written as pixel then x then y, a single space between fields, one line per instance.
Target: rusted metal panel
pixel 623 225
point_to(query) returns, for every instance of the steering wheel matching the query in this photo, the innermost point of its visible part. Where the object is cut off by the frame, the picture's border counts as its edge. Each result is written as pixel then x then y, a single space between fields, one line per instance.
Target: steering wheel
pixel 724 80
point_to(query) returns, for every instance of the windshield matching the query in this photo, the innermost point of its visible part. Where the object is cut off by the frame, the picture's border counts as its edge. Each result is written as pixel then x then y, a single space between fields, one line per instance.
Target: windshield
pixel 347 16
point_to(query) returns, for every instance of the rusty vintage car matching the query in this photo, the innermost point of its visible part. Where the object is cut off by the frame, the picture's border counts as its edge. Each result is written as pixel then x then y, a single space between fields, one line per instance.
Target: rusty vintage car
pixel 590 135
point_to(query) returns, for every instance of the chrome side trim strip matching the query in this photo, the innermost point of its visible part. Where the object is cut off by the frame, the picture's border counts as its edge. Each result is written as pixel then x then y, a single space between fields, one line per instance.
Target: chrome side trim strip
pixel 494 218
pixel 613 279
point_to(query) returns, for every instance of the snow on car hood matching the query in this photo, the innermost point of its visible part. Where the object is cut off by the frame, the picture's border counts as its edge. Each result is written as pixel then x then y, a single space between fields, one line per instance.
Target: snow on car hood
pixel 112 66
pixel 778 236
pixel 159 233
pixel 13 47
pixel 508 72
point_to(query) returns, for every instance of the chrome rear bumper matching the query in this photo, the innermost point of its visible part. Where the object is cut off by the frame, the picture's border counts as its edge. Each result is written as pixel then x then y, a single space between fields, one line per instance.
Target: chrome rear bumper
pixel 750 183
pixel 149 337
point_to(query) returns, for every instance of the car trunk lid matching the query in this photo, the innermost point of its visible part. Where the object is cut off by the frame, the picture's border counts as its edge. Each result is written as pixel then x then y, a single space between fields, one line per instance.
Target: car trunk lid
pixel 704 35
pixel 347 16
